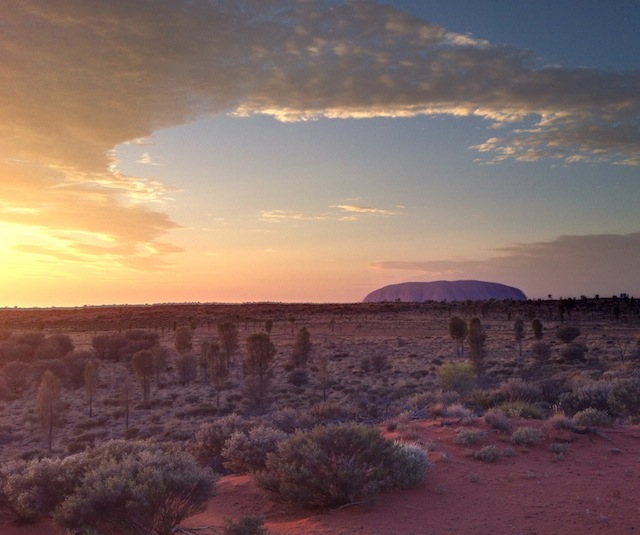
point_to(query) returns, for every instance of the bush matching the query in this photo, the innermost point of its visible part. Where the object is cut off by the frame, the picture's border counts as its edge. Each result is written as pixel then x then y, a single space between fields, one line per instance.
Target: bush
pixel 497 419
pixel 522 410
pixel 458 377
pixel 467 437
pixel 591 417
pixel 410 466
pixel 211 437
pixel 567 333
pixel 488 454
pixel 247 452
pixel 624 397
pixel 288 419
pixel 298 377
pixel 593 394
pixel 247 525
pixel 573 352
pixel 541 352
pixel 334 465
pixel 526 436
pixel 135 487
pixel 516 389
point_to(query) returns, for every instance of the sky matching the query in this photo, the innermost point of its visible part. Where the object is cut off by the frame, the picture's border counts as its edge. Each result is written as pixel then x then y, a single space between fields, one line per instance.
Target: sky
pixel 156 151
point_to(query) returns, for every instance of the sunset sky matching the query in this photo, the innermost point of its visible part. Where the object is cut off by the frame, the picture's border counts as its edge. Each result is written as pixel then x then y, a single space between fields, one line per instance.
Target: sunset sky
pixel 281 150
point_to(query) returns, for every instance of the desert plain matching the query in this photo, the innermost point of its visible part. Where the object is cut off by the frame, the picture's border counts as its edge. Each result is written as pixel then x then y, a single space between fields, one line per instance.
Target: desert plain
pixel 382 364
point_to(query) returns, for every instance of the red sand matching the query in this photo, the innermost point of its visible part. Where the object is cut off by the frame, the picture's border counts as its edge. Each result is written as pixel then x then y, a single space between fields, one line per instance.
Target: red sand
pixel 593 489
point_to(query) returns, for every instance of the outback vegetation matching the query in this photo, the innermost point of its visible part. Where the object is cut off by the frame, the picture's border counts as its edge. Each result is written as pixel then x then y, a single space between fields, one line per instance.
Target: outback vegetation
pixel 300 397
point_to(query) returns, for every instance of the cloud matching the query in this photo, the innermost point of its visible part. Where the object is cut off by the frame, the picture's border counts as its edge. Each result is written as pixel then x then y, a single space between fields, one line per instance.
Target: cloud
pixel 353 213
pixel 565 266
pixel 81 77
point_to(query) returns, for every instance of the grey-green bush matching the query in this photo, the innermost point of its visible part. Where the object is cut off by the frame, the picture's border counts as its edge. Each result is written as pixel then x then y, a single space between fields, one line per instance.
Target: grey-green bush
pixel 245 452
pixel 333 465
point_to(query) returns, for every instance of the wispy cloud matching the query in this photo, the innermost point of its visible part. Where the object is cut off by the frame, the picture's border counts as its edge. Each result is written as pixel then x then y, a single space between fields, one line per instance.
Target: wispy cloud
pixel 80 78
pixel 568 264
pixel 353 212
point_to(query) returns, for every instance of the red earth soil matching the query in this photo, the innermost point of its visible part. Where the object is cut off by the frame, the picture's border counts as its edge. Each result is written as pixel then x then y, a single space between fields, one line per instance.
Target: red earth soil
pixel 593 488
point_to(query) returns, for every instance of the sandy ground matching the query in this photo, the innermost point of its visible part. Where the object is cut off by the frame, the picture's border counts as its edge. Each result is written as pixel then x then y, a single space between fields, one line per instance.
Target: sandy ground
pixel 593 488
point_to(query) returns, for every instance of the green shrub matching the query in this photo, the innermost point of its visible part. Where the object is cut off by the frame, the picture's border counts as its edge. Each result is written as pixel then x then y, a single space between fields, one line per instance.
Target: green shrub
pixel 211 437
pixel 526 436
pixel 247 525
pixel 333 465
pixel 247 452
pixel 497 419
pixel 135 487
pixel 522 410
pixel 410 466
pixel 624 397
pixel 515 389
pixel 467 437
pixel 590 417
pixel 458 377
pixel 567 333
pixel 593 394
pixel 488 454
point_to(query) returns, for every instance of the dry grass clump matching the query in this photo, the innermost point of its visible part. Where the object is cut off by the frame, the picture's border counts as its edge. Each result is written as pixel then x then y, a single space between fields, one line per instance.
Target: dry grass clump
pixel 487 454
pixel 467 437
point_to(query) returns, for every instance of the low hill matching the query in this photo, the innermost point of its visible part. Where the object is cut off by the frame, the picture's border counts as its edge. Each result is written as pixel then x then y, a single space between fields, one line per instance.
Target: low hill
pixel 418 292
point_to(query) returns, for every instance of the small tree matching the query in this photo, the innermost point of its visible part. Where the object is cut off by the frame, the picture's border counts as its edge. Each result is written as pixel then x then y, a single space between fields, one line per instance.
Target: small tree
pixel 324 376
pixel 458 331
pixel 91 382
pixel 260 354
pixel 143 365
pixel 160 355
pixel 184 339
pixel 518 331
pixel 302 348
pixel 477 338
pixel 268 327
pixel 536 325
pixel 218 369
pixel 228 337
pixel 49 403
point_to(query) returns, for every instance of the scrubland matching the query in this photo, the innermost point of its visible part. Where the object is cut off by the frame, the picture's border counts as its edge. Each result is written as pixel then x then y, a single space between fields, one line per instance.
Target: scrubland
pixel 394 367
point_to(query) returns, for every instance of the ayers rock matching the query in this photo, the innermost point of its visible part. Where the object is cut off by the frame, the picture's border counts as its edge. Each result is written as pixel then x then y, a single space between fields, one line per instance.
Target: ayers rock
pixel 417 292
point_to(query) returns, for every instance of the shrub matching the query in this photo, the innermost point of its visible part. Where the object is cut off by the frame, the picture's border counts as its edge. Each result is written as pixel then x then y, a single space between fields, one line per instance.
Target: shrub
pixel 591 394
pixel 332 466
pixel 247 452
pixel 541 352
pixel 458 377
pixel 497 419
pixel 298 377
pixel 211 437
pixel 567 333
pixel 329 412
pixel 288 419
pixel 526 436
pixel 468 436
pixel 488 454
pixel 410 466
pixel 247 525
pixel 590 417
pixel 573 352
pixel 522 410
pixel 515 389
pixel 624 397
pixel 135 487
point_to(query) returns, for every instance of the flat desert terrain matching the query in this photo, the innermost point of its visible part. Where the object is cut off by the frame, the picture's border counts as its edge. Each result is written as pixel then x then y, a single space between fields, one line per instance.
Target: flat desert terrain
pixel 387 365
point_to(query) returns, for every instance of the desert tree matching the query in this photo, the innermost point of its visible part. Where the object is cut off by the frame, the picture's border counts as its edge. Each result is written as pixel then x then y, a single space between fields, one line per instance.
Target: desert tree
pixel 536 325
pixel 184 339
pixel 301 348
pixel 91 382
pixel 323 376
pixel 477 338
pixel 49 403
pixel 259 355
pixel 142 362
pixel 458 331
pixel 187 365
pixel 228 338
pixel 160 357
pixel 123 384
pixel 268 327
pixel 218 370
pixel 518 331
